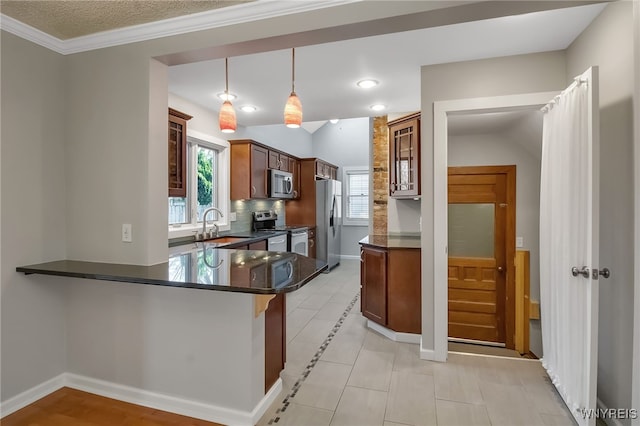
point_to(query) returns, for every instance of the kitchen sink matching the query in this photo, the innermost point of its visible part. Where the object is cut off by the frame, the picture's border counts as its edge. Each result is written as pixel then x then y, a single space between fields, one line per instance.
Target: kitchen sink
pixel 227 240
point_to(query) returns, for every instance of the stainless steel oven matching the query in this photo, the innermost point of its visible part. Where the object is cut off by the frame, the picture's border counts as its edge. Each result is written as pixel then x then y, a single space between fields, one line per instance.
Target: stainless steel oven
pixel 280 184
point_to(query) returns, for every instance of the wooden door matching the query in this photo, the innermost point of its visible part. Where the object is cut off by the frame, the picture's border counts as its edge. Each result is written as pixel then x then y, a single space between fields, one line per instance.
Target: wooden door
pixel 373 276
pixel 259 161
pixel 481 240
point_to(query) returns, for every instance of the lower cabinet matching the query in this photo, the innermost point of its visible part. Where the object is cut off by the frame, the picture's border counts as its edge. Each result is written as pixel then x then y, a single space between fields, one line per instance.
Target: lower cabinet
pixel 391 293
pixel 373 279
pixel 274 340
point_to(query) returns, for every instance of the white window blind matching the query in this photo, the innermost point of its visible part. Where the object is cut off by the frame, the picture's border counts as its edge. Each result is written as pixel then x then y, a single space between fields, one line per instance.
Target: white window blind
pixel 357 195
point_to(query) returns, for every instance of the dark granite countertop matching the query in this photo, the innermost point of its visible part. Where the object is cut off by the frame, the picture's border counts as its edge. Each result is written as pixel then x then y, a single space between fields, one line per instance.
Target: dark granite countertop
pixel 392 241
pixel 203 267
pixel 251 235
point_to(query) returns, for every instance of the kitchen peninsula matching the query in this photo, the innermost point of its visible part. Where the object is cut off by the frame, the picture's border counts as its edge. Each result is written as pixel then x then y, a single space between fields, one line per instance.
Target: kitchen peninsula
pixel 205 354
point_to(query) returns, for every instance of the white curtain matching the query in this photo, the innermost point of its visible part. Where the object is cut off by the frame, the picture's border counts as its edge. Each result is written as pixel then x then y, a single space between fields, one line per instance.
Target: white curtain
pixel 564 241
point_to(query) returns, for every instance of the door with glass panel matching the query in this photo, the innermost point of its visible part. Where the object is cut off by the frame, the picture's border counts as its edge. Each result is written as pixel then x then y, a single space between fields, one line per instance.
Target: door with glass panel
pixel 481 221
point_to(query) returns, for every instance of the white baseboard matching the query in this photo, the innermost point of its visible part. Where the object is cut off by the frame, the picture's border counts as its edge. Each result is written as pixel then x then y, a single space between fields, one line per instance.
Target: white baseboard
pixel 609 420
pixel 31 395
pixel 266 401
pixel 349 257
pixel 428 354
pixel 394 335
pixel 159 401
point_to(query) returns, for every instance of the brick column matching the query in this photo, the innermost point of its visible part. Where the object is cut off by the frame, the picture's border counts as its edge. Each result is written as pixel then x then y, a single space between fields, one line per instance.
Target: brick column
pixel 380 174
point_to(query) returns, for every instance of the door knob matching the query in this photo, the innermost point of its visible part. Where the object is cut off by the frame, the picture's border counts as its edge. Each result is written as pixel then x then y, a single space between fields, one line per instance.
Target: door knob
pixel 584 271
pixel 500 269
pixel 605 272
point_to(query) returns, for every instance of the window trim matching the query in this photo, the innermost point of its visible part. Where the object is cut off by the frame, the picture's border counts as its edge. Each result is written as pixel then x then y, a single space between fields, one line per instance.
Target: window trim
pixel 195 138
pixel 346 171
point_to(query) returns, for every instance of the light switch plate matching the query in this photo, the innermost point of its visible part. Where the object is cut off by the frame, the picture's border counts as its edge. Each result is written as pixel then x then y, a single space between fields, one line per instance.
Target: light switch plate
pixel 232 216
pixel 519 242
pixel 126 233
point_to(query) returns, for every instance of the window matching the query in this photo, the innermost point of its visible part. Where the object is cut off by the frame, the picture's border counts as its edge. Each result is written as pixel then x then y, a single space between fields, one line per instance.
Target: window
pixel 207 186
pixel 356 184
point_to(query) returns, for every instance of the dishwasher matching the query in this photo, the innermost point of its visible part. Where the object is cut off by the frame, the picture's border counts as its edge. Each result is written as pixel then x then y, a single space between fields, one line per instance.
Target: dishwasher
pixel 278 243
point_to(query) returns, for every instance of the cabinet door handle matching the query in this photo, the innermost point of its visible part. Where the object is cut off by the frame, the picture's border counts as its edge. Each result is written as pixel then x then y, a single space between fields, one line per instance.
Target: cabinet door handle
pixel 361 254
pixel 295 194
pixel 253 190
pixel 313 243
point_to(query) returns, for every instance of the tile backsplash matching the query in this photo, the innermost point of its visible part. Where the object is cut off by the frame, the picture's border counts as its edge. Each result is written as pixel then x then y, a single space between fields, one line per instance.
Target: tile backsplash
pixel 244 208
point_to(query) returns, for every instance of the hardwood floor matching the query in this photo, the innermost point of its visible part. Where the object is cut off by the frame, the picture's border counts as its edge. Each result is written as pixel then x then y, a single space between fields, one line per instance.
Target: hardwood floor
pixel 70 407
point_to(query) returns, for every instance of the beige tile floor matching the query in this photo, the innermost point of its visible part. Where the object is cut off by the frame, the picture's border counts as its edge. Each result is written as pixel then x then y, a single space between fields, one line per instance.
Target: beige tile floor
pixel 364 379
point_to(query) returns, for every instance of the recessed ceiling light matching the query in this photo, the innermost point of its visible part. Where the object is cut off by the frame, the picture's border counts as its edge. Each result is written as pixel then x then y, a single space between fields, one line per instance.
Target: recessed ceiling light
pixel 226 97
pixel 248 108
pixel 367 84
pixel 378 107
pixel 333 120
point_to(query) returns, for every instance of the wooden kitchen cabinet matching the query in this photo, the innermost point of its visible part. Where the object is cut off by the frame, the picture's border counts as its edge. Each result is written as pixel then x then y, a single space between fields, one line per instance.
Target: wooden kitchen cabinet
pixel 325 170
pixel 249 164
pixel 177 144
pixel 404 157
pixel 258 245
pixel 278 161
pixel 275 341
pixel 311 234
pixel 294 169
pixel 391 293
pixel 302 209
pixel 373 279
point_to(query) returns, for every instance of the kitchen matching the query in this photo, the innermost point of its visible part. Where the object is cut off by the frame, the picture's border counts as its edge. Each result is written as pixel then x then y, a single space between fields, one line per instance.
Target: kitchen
pixel 71 221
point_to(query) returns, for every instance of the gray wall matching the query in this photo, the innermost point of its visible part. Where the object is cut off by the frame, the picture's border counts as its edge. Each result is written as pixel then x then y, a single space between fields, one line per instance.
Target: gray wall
pixel 33 226
pixel 499 149
pixel 538 72
pixel 345 144
pixel 608 43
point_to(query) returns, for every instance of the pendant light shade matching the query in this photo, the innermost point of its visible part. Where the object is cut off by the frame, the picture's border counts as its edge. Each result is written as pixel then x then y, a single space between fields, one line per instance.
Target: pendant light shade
pixel 227 118
pixel 293 108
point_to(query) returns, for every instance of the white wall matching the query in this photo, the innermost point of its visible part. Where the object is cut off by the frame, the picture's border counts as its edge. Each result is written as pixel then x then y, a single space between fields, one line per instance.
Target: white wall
pixel 173 341
pixel 345 144
pixel 608 43
pixel 500 149
pixel 294 141
pixel 538 72
pixel 33 214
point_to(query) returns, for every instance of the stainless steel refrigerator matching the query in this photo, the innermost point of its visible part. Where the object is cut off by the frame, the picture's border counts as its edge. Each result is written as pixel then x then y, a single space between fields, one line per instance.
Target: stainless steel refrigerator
pixel 328 221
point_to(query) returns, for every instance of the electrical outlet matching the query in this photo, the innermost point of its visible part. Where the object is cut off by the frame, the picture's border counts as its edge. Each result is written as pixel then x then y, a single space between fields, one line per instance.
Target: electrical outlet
pixel 126 233
pixel 232 216
pixel 519 242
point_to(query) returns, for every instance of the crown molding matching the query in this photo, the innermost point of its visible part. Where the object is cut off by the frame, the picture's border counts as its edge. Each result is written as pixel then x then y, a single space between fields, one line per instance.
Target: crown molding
pixel 242 13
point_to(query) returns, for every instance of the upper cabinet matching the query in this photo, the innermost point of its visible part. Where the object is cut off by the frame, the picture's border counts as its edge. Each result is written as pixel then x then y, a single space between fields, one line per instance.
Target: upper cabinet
pixel 178 153
pixel 325 170
pixel 404 157
pixel 294 169
pixel 278 161
pixel 249 162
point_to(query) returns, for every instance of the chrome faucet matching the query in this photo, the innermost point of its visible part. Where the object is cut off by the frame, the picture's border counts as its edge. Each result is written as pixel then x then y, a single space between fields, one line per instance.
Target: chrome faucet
pixel 204 221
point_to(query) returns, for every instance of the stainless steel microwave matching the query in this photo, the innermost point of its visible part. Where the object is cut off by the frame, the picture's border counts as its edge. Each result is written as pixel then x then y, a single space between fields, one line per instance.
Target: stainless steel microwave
pixel 280 184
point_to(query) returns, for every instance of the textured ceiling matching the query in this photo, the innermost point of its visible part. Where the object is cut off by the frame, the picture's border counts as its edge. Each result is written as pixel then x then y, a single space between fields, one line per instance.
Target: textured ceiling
pixel 69 19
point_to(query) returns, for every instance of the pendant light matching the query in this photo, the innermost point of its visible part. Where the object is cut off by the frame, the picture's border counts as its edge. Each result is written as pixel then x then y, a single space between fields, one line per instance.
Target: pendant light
pixel 293 108
pixel 227 118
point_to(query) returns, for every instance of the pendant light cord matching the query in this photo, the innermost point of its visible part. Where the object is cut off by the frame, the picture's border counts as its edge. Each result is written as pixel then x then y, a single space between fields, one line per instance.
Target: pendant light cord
pixel 226 76
pixel 293 70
